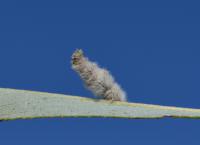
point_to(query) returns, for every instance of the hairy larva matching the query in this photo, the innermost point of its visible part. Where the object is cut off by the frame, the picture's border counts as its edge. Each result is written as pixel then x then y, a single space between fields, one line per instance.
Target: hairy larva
pixel 96 79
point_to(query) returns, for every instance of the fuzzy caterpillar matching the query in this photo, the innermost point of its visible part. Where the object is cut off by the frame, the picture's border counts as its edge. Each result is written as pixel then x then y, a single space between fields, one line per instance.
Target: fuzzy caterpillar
pixel 96 79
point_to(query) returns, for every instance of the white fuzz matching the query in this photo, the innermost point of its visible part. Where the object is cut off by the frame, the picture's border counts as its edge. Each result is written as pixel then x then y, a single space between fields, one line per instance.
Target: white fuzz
pixel 96 79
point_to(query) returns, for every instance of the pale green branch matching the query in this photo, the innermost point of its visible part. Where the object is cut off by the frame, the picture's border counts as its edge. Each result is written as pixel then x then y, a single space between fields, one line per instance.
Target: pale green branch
pixel 20 104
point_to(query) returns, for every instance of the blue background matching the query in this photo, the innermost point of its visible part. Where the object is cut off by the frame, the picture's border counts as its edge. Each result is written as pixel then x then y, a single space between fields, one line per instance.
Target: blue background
pixel 151 47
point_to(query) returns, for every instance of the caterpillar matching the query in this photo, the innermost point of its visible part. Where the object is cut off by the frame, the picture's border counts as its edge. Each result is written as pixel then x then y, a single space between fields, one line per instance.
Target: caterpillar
pixel 98 80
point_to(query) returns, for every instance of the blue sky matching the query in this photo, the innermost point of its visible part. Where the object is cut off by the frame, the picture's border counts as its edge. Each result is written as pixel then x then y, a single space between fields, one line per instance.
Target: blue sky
pixel 151 47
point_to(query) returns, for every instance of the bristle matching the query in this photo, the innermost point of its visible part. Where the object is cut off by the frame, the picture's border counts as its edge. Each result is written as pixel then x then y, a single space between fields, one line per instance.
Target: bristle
pixel 96 79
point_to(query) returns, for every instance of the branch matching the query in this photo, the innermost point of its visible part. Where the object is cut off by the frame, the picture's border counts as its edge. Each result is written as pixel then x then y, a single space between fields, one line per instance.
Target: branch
pixel 20 104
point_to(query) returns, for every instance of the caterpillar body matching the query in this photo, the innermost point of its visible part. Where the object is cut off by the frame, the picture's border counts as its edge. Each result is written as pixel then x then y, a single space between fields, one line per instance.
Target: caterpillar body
pixel 96 79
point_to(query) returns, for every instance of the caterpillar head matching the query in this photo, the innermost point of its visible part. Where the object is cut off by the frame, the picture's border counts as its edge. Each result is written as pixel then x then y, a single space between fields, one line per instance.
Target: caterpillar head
pixel 77 55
